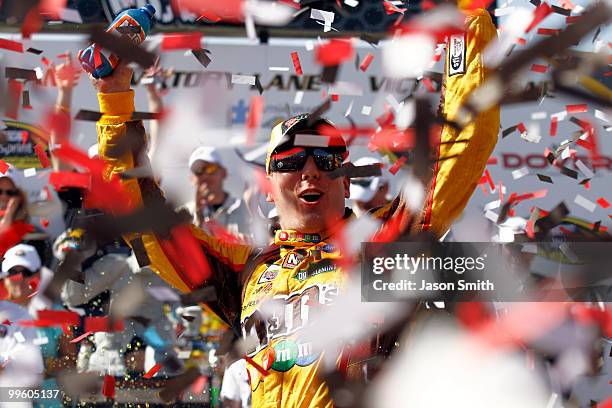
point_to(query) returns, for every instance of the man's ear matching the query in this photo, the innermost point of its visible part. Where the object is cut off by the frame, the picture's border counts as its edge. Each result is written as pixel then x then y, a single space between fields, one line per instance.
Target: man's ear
pixel 347 187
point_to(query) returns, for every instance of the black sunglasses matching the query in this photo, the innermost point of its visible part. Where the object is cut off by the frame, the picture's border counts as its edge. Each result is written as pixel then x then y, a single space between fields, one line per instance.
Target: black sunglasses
pixel 10 193
pixel 294 159
pixel 363 181
pixel 25 272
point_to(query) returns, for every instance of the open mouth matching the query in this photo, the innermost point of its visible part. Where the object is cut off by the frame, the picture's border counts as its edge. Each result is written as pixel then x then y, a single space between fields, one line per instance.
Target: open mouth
pixel 310 196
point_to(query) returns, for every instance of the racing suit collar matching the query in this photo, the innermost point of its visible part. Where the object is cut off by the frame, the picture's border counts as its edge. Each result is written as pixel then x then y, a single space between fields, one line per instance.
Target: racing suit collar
pixel 297 239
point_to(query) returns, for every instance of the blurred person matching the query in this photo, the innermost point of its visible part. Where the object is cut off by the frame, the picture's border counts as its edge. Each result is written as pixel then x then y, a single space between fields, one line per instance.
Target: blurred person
pixel 369 193
pixel 110 268
pixel 301 267
pixel 21 361
pixel 25 279
pixel 235 388
pixel 13 201
pixel 213 205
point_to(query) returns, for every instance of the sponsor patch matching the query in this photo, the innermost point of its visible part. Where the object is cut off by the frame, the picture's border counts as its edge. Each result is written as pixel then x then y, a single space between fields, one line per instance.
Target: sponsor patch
pixel 456 54
pixel 315 269
pixel 292 260
pixel 269 274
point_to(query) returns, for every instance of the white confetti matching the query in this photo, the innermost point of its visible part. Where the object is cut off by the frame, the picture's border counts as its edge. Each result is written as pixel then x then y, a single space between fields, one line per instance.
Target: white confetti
pixel 585 203
pixel 256 153
pixel 243 79
pixel 39 341
pixel 539 115
pixel 565 153
pixel 366 110
pixel 393 102
pixel 351 3
pixel 163 294
pixel 420 47
pixel 280 69
pixel 531 137
pixel 249 24
pixel 601 116
pixel 492 205
pixel 584 169
pixel 298 97
pixel 311 140
pixel 519 173
pixel 349 109
pixel 29 172
pixel 309 45
pixel 327 17
pixel 70 16
pixel 529 248
pixel 39 72
pixel 559 115
pixel 19 337
pixel 491 216
pixel 503 11
pixel 346 88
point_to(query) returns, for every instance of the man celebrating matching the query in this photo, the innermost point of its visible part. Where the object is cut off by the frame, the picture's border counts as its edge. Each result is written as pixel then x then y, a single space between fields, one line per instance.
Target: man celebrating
pixel 301 267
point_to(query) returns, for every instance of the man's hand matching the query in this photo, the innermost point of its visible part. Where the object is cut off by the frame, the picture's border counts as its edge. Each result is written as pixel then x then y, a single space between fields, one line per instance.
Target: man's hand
pixel 67 74
pixel 118 81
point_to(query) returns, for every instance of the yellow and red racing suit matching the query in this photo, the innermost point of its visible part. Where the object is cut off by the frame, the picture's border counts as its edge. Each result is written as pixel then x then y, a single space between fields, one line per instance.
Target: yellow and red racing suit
pixel 299 270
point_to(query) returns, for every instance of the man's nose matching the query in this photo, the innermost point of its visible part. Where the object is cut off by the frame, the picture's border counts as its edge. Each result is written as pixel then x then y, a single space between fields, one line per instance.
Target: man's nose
pixel 310 170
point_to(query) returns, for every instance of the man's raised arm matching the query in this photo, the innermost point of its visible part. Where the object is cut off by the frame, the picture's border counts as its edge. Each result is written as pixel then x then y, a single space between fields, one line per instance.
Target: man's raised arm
pixel 225 260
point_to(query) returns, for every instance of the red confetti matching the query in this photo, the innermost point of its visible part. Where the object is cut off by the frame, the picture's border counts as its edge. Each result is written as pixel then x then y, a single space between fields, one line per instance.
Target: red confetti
pixel 108 388
pixel 521 41
pixel 32 23
pixel 391 8
pixel 15 88
pixel 521 127
pixel 183 250
pixel 81 337
pixel 11 45
pixel 548 31
pixel 539 68
pixel 102 324
pixel 539 14
pixel 52 8
pixel 7 322
pixel 296 63
pixel 428 84
pixel 44 223
pixel 578 108
pixel 62 179
pixel 210 16
pixel 290 3
pixel 256 366
pixel 492 160
pixel 571 19
pixel 554 122
pixel 181 41
pixel 366 62
pixel 479 4
pixel 3 166
pixel 42 156
pixel 489 180
pixel 12 235
pixel 256 108
pixel 335 98
pixel 396 166
pixel 334 52
pixel 198 385
pixel 59 317
pixel 603 202
pixel 587 185
pixel 152 371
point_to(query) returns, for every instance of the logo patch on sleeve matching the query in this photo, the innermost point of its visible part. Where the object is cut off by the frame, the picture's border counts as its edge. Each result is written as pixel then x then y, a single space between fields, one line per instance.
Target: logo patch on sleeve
pixel 456 55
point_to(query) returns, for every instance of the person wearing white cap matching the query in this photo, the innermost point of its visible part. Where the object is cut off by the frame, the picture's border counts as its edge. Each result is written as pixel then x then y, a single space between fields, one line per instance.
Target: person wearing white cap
pixel 213 205
pixel 369 193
